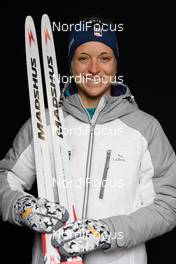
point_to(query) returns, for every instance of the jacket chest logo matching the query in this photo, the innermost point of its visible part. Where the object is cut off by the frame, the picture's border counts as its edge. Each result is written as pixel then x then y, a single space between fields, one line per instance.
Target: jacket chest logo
pixel 119 157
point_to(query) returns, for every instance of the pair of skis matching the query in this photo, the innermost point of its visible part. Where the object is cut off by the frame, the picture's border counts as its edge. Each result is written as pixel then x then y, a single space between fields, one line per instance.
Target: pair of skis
pixel 51 167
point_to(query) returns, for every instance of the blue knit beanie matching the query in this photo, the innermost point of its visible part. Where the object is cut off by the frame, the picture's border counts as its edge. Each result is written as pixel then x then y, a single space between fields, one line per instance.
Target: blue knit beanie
pixel 90 30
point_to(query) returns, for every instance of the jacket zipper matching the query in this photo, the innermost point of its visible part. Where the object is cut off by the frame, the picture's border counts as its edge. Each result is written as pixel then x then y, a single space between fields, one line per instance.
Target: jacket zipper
pixel 105 173
pixel 89 160
pixel 88 172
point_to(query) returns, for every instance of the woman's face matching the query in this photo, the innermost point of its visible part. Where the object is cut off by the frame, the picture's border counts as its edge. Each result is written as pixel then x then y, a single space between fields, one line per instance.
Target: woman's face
pixel 94 68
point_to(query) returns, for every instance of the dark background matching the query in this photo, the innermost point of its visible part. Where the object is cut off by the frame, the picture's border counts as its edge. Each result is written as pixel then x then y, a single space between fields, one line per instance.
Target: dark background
pixel 147 62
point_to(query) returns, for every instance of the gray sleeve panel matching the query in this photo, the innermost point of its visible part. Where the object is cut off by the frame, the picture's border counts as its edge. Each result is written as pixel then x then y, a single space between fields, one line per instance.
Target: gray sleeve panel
pixel 21 142
pixel 160 216
pixel 11 165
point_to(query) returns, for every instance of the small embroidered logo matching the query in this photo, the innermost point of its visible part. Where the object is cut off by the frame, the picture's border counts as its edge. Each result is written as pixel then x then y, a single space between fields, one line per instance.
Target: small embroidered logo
pixel 119 157
pixel 98 32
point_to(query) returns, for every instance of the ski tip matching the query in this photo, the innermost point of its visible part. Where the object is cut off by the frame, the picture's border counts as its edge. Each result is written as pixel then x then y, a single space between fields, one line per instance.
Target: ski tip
pixel 46 29
pixel 45 18
pixel 29 20
pixel 29 24
pixel 30 32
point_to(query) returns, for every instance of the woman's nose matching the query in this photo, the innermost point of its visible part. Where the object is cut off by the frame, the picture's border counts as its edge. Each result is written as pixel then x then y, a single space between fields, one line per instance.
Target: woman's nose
pixel 94 67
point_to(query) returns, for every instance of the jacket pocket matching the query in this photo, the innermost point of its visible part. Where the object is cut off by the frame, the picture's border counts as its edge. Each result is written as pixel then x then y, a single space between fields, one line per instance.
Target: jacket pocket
pixel 105 174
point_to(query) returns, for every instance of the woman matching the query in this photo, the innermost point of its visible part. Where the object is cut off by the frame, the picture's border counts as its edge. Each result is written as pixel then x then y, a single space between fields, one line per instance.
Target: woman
pixel 122 158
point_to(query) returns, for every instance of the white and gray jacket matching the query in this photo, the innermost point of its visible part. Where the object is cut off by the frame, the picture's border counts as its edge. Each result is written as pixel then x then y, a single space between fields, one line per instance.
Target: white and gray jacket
pixel 131 166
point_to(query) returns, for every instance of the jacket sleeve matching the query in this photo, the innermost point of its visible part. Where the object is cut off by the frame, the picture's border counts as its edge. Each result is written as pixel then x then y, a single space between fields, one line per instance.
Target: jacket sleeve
pixel 158 216
pixel 17 172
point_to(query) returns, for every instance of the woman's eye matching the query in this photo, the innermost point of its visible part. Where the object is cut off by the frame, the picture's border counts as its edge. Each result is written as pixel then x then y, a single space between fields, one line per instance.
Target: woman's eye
pixel 105 59
pixel 82 59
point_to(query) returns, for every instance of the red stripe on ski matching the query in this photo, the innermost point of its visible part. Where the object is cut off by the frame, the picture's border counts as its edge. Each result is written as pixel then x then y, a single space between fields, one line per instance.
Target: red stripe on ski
pixel 43 244
pixel 74 213
pixel 72 262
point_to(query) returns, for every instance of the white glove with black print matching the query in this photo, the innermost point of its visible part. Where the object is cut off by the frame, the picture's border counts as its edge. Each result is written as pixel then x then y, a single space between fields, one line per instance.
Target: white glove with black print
pixel 39 214
pixel 81 237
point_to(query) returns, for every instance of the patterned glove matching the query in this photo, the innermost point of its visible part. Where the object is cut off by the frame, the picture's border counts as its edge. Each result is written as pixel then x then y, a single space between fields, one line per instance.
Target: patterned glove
pixel 81 237
pixel 39 214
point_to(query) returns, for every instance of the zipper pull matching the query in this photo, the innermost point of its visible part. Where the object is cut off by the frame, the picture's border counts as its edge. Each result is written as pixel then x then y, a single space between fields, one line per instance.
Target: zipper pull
pixel 108 158
pixel 69 154
pixel 92 127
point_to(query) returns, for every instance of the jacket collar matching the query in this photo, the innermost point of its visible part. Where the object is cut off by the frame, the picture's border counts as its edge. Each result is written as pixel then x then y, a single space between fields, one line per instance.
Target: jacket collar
pixel 119 103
